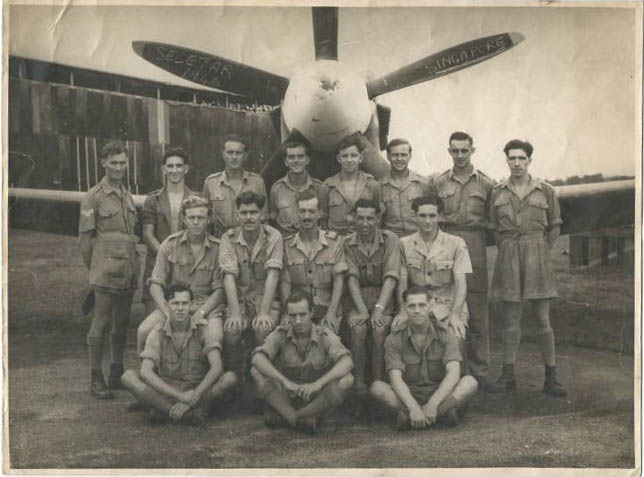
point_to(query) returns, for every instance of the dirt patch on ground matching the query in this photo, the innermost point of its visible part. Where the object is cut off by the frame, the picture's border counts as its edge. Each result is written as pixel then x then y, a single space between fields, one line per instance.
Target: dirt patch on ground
pixel 54 423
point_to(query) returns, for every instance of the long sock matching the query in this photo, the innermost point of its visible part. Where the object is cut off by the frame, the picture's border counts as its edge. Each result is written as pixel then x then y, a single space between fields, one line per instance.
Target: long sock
pixel 511 340
pixel 546 341
pixel 95 349
pixel 117 346
pixel 447 404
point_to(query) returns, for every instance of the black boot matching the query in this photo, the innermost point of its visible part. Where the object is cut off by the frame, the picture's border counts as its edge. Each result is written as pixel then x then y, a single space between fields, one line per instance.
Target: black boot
pixel 552 385
pixel 97 386
pixel 506 381
pixel 114 379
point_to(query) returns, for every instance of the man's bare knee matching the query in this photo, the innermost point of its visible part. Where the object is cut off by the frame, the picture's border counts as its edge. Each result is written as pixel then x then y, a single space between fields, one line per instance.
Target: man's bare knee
pixel 345 382
pixel 232 338
pixel 468 384
pixel 378 388
pixel 228 379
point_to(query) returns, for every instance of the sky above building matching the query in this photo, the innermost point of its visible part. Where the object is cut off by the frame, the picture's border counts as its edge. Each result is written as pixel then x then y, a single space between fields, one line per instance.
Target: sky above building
pixel 570 87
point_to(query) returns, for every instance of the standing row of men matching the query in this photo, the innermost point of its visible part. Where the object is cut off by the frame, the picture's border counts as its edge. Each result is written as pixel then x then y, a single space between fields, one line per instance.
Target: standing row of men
pixel 237 282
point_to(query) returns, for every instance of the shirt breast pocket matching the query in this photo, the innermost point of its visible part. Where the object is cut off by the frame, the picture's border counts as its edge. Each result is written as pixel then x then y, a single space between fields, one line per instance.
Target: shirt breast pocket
pixel 538 210
pixel 476 204
pixel 337 212
pixel 443 271
pixel 259 266
pixel 204 273
pixel 502 207
pixel 448 196
pixel 323 271
pixel 297 270
pixel 412 367
pixel 109 216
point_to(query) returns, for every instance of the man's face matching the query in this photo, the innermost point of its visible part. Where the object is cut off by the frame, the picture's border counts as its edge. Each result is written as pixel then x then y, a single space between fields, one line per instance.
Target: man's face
pixel 196 220
pixel 366 220
pixel 299 317
pixel 461 151
pixel 250 217
pixel 175 169
pixel 349 158
pixel 417 306
pixel 399 157
pixel 115 166
pixel 308 213
pixel 234 155
pixel 179 306
pixel 427 218
pixel 518 162
pixel 296 159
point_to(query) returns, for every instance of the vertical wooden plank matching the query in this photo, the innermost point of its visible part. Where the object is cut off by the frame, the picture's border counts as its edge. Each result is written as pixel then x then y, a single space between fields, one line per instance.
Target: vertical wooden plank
pixel 15 120
pixel 78 163
pixel 118 116
pixel 82 113
pixel 35 109
pixel 48 125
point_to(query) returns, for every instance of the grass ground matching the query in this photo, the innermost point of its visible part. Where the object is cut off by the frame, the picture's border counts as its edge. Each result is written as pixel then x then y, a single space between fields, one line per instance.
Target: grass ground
pixel 54 423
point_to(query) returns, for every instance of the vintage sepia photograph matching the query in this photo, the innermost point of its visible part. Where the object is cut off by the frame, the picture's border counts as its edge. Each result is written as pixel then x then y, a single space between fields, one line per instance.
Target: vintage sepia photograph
pixel 339 238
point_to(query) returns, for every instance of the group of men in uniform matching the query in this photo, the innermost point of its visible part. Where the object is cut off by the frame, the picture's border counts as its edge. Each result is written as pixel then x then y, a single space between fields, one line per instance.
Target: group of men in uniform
pixel 396 267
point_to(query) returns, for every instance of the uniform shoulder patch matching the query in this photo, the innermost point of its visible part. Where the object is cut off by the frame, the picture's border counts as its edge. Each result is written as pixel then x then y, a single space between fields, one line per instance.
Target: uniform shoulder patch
pixel 175 235
pixel 154 192
pixel 215 174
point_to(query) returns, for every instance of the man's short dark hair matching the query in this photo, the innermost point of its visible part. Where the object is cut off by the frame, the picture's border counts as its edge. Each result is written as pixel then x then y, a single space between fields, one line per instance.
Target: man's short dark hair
pixel 192 202
pixel 233 138
pixel 518 144
pixel 175 152
pixel 366 204
pixel 415 290
pixel 461 136
pixel 297 296
pixel 307 194
pixel 399 141
pixel 353 140
pixel 175 288
pixel 112 148
pixel 249 197
pixel 293 143
pixel 430 199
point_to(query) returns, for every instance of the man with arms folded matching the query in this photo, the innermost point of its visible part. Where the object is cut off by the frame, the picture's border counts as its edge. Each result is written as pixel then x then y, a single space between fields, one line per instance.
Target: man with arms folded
pixel 314 261
pixel 284 192
pixel 161 214
pixel 250 260
pixel 189 256
pixel 221 188
pixel 108 246
pixel 465 192
pixel 181 373
pixel 302 369
pixel 373 257
pixel 423 364
pixel 399 188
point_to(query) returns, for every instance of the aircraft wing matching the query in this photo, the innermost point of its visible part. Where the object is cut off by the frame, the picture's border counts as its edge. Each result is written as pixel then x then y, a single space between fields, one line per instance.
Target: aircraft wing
pixel 584 207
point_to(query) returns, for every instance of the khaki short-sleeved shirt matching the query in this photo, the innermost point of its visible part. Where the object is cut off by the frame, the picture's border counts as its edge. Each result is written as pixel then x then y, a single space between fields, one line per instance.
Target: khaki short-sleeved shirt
pixel 314 273
pixel 340 206
pixel 372 264
pixel 465 204
pixel 398 215
pixel 537 212
pixel 186 366
pixel 111 215
pixel 221 195
pixel 250 267
pixel 176 263
pixel 434 268
pixel 283 203
pixel 323 352
pixel 426 366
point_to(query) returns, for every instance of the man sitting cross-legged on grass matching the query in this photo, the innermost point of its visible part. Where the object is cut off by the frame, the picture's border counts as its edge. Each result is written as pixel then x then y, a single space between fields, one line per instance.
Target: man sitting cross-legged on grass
pixel 302 369
pixel 181 372
pixel 423 363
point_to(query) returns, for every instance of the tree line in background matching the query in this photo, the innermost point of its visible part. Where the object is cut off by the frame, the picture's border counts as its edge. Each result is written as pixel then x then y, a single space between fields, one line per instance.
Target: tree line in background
pixel 587 179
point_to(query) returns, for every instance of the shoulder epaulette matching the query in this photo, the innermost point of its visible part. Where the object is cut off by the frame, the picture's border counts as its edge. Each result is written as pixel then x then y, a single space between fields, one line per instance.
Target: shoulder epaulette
pixel 253 174
pixel 154 192
pixel 215 174
pixel 316 181
pixel 484 175
pixel 212 238
pixel 331 234
pixel 174 235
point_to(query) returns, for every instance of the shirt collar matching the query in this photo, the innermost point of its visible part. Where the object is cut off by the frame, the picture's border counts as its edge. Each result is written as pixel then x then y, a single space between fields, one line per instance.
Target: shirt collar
pixel 474 173
pixel 297 240
pixel 224 177
pixel 533 183
pixel 378 239
pixel 184 238
pixel 420 246
pixel 287 182
pixel 431 331
pixel 315 333
pixel 239 238
pixel 411 177
pixel 108 189
pixel 194 322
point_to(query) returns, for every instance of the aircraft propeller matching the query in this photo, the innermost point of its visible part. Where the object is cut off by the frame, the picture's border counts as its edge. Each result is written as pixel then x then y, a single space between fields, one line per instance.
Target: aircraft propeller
pixel 325 32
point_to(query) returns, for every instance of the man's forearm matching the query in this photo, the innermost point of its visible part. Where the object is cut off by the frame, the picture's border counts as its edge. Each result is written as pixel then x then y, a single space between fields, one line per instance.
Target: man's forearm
pixel 156 292
pixel 85 245
pixel 149 239
pixel 460 292
pixel 264 366
pixel 340 369
pixel 336 294
pixel 213 374
pixel 150 378
pixel 553 235
pixel 402 286
pixel 231 294
pixel 356 295
pixel 285 290
pixel 213 301
pixel 447 385
pixel 387 291
pixel 402 391
pixel 270 287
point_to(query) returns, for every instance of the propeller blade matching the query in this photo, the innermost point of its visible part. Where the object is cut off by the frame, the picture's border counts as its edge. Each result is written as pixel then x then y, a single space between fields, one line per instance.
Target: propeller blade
pixel 214 71
pixel 444 62
pixel 384 117
pixel 325 32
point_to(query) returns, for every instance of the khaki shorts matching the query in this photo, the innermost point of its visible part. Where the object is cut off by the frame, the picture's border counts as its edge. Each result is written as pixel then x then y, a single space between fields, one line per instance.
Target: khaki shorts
pixel 353 318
